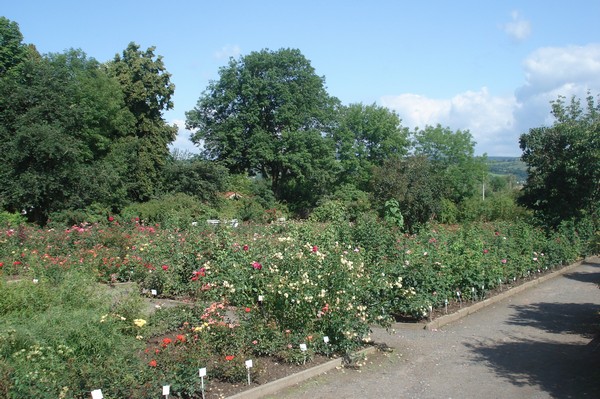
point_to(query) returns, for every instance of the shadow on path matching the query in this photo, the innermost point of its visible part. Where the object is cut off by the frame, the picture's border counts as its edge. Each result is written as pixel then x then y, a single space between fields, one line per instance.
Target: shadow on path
pixel 562 370
pixel 557 364
pixel 559 318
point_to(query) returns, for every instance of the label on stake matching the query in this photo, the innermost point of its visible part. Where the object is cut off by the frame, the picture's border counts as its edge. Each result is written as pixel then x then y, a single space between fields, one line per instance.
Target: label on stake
pixel 326 339
pixel 166 389
pixel 303 347
pixel 97 394
pixel 153 292
pixel 248 363
pixel 202 372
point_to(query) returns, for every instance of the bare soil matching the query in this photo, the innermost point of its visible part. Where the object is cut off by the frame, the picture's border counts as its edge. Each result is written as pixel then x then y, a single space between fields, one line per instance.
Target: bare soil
pixel 268 370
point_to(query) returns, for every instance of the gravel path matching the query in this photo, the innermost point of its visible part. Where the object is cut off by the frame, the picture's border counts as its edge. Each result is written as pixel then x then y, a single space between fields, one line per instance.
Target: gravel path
pixel 537 344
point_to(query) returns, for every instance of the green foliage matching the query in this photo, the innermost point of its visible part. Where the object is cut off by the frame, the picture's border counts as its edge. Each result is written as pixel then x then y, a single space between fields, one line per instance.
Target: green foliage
pixel 265 115
pixel 12 49
pixel 329 211
pixel 147 90
pixel 392 214
pixel 11 219
pixel 251 291
pixel 173 210
pixel 412 184
pixel 508 166
pixel 449 213
pixel 196 177
pixel 61 344
pixel 355 201
pixel 60 113
pixel 454 167
pixel 365 137
pixel 563 162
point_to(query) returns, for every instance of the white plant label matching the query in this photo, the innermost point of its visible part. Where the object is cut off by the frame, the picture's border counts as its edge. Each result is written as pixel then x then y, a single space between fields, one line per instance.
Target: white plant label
pixel 326 339
pixel 248 363
pixel 303 347
pixel 166 389
pixel 260 298
pixel 153 292
pixel 202 372
pixel 97 394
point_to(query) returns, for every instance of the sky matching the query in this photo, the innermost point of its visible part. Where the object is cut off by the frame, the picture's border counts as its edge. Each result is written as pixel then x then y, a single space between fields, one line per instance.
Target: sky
pixel 490 67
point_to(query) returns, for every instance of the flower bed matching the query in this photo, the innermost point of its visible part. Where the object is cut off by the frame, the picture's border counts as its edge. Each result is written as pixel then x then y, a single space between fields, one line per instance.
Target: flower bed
pixel 286 292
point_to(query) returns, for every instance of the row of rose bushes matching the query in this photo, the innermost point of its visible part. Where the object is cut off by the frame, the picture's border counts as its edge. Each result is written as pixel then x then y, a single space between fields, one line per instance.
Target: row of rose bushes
pixel 282 285
pixel 299 268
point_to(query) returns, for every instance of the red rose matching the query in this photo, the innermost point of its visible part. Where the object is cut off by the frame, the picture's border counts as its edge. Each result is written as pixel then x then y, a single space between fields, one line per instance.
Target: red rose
pixel 165 267
pixel 152 363
pixel 229 358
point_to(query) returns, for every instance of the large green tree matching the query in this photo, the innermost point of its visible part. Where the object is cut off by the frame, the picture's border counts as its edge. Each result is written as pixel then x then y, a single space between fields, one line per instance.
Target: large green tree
pixel 269 114
pixel 366 136
pixel 458 171
pixel 563 163
pixel 58 115
pixel 148 92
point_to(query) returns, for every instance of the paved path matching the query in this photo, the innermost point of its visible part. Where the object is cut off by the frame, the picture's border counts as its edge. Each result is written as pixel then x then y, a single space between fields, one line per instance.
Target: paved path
pixel 537 344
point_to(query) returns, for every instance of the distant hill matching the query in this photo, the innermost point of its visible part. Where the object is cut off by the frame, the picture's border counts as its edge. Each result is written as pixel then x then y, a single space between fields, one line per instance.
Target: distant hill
pixel 508 166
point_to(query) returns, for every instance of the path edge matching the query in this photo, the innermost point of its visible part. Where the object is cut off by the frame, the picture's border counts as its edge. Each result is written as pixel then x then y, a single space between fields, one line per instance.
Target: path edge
pixel 464 312
pixel 293 379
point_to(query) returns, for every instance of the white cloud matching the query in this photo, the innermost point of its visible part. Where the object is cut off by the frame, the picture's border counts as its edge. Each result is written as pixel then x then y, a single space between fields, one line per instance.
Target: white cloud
pixel 551 72
pixel 182 141
pixel 571 68
pixel 518 29
pixel 228 51
pixel 488 118
pixel 496 122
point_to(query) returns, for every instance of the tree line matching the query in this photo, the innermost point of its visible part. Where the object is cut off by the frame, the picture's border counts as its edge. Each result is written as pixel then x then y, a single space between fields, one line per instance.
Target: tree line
pixel 83 139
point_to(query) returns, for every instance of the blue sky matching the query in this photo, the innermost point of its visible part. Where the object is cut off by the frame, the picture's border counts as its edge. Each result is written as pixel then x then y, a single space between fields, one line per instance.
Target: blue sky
pixel 489 67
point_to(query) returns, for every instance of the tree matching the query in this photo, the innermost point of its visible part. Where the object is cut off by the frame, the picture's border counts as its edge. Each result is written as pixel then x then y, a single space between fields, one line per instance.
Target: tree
pixel 365 137
pixel 409 182
pixel 195 177
pixel 58 113
pixel 457 171
pixel 147 87
pixel 563 163
pixel 268 114
pixel 12 49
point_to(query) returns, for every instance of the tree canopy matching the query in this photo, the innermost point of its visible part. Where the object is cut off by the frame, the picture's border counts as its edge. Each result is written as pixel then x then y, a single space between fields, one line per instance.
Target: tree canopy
pixel 563 163
pixel 77 134
pixel 365 137
pixel 148 90
pixel 269 114
pixel 451 154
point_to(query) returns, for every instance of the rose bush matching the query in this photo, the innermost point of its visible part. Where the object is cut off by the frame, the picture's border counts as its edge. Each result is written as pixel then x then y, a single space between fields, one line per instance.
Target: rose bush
pixel 253 291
